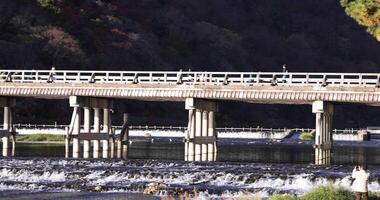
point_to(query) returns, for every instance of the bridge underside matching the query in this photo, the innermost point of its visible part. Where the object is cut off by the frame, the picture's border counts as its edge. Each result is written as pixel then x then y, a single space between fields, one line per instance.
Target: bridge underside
pixel 173 92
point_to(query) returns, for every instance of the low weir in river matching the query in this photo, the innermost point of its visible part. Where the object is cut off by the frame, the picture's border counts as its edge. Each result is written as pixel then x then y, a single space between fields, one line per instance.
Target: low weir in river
pixel 348 134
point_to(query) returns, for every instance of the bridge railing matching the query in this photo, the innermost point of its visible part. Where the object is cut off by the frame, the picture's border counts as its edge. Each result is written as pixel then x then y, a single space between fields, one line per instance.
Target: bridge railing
pixel 190 78
pixel 183 128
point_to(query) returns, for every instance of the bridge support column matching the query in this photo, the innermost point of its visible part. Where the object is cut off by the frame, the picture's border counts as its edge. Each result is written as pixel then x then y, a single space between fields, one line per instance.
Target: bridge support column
pixel 76 132
pixel 123 141
pixel 7 132
pixel 106 117
pixel 323 136
pixel 96 143
pixel 6 126
pixel 200 137
pixel 204 134
pixel 87 103
pixel 198 134
pixel 86 129
pixel 190 135
pixel 67 143
pixel 211 133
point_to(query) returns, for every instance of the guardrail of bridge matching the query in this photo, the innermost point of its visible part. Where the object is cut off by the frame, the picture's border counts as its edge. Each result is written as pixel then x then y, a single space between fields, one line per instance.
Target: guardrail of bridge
pixel 183 128
pixel 190 77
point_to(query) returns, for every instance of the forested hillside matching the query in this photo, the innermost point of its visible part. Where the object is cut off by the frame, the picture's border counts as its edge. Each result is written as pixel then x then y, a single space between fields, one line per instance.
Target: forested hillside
pixel 239 35
pixel 206 35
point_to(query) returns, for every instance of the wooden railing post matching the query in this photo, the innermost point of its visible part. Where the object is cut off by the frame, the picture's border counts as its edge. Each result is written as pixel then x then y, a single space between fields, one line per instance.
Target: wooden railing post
pixel 64 76
pixel 258 78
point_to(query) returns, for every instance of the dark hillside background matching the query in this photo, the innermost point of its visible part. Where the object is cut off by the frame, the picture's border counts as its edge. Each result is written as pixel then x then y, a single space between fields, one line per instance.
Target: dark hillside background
pixel 211 35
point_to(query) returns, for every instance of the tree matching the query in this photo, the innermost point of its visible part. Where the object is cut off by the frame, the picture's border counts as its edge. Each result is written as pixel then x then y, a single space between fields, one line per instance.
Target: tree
pixel 366 13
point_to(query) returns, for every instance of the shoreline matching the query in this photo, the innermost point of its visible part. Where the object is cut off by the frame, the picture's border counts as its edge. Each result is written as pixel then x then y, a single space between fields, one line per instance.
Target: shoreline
pixel 238 141
pixel 41 142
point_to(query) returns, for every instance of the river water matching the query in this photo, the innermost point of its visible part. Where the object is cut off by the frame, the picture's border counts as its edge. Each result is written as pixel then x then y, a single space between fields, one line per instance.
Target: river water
pixel 244 167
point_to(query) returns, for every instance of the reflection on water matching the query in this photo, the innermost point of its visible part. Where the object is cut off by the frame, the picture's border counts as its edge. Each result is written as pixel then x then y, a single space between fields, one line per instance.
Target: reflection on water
pixel 40 150
pixel 228 150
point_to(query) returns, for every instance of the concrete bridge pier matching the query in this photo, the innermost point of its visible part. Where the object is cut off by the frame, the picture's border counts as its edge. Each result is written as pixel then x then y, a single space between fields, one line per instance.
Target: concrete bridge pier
pixel 86 129
pixel 211 156
pixel 67 142
pixel 7 103
pixel 85 105
pixel 323 136
pixel 106 130
pixel 204 134
pixel 198 134
pixel 6 126
pixel 200 137
pixel 123 140
pixel 76 132
pixel 190 135
pixel 96 143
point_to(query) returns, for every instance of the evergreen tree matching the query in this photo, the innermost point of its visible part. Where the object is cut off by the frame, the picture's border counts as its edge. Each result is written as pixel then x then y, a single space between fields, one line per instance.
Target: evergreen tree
pixel 366 13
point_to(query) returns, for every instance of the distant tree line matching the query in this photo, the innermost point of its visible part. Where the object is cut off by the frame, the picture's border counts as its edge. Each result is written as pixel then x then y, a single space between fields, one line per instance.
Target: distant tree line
pixel 241 35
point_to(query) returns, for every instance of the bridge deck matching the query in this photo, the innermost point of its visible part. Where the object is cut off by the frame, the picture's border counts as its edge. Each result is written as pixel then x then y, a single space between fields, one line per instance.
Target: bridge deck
pixel 286 88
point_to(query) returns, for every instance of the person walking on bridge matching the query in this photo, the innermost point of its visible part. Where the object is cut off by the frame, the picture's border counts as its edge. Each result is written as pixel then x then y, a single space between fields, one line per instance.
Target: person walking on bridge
pixel 360 185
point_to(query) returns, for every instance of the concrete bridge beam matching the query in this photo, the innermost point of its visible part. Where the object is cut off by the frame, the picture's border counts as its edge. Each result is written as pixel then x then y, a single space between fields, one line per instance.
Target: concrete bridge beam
pixel 323 137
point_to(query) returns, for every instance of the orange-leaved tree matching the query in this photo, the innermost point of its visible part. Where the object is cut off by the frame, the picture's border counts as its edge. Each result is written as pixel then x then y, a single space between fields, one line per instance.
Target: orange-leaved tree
pixel 366 13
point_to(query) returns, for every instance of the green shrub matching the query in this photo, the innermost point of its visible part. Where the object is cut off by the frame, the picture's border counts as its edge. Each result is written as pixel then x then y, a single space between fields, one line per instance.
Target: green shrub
pixel 306 136
pixel 328 192
pixel 374 196
pixel 283 197
pixel 49 4
pixel 40 137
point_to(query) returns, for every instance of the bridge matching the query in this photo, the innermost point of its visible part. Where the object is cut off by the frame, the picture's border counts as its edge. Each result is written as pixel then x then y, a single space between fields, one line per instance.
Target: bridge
pixel 90 93
pixel 259 87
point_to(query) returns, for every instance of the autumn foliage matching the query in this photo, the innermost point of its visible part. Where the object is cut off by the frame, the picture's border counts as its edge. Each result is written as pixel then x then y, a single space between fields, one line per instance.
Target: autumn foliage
pixel 366 13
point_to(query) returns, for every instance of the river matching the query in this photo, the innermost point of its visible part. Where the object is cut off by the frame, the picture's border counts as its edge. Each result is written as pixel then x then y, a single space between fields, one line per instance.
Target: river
pixel 244 167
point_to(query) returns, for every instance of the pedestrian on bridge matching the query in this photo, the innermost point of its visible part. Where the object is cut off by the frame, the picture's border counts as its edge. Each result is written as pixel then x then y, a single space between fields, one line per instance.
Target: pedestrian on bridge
pixel 51 75
pixel 285 73
pixel 360 185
